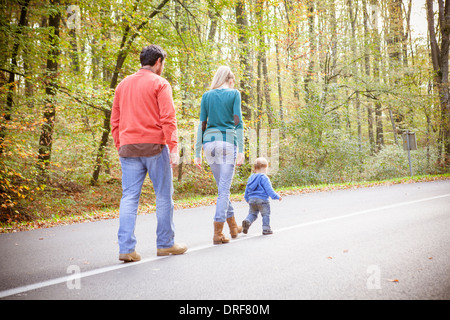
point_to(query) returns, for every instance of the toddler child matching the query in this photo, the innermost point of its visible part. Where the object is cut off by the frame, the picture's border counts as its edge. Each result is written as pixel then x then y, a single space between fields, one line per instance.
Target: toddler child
pixel 257 194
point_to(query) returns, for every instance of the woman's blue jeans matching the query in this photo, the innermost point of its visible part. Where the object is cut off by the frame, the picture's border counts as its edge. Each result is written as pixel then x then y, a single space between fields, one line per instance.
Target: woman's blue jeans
pixel 134 171
pixel 221 157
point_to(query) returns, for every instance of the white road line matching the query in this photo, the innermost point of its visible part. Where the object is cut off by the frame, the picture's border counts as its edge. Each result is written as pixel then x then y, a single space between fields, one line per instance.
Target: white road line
pixel 85 274
pixel 400 204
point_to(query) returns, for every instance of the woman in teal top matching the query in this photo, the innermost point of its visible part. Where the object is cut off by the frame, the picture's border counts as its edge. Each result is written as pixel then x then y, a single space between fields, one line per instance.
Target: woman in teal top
pixel 221 135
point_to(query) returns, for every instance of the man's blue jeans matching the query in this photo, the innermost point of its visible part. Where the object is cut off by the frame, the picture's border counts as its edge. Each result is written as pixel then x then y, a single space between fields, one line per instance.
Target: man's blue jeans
pixel 134 171
pixel 259 205
pixel 221 157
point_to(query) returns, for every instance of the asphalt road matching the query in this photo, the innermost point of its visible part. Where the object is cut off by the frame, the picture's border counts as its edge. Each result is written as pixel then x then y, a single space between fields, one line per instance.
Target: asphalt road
pixel 371 243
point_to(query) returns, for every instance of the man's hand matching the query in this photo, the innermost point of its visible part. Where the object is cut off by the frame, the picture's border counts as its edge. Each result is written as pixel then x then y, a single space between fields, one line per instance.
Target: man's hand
pixel 174 159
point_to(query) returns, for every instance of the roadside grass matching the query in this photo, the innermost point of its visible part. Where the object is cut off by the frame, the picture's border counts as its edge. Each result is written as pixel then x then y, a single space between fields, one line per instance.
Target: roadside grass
pixel 75 208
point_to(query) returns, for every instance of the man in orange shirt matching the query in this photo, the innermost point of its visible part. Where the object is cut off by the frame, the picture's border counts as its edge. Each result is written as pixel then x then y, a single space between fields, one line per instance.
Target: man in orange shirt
pixel 144 128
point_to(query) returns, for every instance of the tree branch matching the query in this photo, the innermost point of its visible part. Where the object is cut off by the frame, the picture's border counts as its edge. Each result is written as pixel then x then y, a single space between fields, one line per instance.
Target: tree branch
pixel 13 72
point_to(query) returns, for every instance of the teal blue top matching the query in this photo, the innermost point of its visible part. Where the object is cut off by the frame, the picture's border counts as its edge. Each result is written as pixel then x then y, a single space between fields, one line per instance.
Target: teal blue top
pixel 218 108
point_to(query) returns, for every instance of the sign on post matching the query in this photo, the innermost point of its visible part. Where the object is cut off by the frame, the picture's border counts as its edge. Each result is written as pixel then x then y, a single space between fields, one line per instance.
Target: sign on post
pixel 409 143
pixel 409 137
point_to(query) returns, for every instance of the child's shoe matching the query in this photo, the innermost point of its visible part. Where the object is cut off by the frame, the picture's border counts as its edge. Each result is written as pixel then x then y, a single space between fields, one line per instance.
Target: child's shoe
pixel 267 231
pixel 245 225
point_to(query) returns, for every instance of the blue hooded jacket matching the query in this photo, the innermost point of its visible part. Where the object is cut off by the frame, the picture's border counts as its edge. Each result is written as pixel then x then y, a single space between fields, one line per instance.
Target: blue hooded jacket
pixel 259 186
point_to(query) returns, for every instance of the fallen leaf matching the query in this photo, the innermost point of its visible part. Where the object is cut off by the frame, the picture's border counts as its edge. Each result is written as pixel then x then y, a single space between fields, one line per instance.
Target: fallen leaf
pixel 329 257
pixel 41 238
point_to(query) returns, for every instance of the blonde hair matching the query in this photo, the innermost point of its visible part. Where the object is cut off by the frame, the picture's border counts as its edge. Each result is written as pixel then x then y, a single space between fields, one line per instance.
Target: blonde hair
pixel 260 163
pixel 223 74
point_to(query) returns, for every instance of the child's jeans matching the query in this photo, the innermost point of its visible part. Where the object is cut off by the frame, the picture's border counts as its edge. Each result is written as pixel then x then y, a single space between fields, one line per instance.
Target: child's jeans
pixel 259 205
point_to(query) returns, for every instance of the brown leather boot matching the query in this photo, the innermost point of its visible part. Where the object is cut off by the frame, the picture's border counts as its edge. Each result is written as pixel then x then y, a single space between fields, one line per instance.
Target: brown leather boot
pixel 234 228
pixel 219 237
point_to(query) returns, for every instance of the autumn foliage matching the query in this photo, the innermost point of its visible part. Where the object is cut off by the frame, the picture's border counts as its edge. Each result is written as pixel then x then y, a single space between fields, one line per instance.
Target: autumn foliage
pixel 340 80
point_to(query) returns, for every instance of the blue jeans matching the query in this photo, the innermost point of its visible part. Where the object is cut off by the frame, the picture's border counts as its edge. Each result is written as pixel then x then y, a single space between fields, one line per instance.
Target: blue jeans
pixel 259 205
pixel 134 171
pixel 221 157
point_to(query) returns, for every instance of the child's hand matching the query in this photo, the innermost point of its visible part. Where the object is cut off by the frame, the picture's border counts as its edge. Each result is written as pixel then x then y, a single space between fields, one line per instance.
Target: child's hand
pixel 280 199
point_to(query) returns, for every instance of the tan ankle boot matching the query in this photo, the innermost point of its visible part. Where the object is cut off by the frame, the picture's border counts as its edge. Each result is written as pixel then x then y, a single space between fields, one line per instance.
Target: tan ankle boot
pixel 177 248
pixel 219 237
pixel 234 228
pixel 130 257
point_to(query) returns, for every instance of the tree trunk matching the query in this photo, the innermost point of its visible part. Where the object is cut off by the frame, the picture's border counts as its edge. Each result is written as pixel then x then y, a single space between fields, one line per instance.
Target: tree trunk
pixel 395 31
pixel 259 58
pixel 406 35
pixel 394 40
pixel 213 17
pixel 11 81
pixel 262 60
pixel 72 24
pixel 439 57
pixel 46 138
pixel 352 16
pixel 244 54
pixel 312 53
pixel 376 70
pixel 292 64
pixel 367 71
pixel 279 86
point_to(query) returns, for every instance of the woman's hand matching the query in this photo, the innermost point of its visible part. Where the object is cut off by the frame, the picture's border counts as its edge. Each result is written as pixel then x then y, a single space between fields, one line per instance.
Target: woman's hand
pixel 240 159
pixel 198 162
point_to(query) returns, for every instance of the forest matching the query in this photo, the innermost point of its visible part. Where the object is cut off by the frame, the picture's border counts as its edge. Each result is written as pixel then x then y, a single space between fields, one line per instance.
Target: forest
pixel 328 89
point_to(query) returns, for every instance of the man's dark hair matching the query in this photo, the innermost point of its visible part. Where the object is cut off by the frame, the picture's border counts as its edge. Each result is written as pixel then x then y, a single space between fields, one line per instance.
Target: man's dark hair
pixel 151 54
